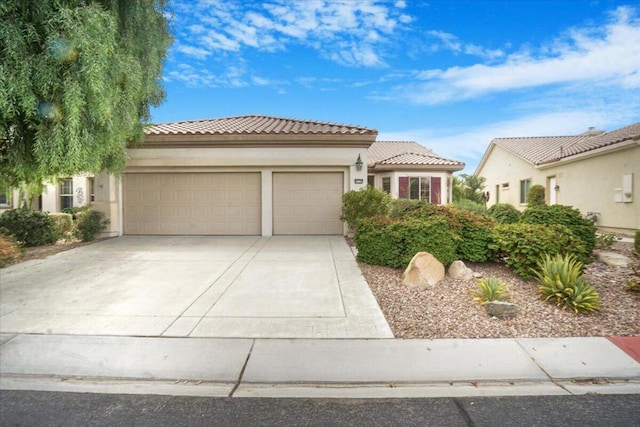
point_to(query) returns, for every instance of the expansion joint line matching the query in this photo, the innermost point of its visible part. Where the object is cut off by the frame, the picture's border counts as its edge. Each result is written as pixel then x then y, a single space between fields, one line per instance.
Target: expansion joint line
pixel 556 383
pixel 246 362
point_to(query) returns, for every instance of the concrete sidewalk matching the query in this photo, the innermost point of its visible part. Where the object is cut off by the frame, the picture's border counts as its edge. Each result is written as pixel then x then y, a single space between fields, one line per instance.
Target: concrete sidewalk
pixel 317 368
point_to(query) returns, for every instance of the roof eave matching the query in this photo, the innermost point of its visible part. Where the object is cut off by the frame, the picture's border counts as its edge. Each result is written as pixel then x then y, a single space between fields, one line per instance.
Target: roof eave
pixel 591 153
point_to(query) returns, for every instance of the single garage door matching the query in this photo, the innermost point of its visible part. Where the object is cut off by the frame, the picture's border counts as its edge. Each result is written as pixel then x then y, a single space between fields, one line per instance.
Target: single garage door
pixel 307 203
pixel 192 203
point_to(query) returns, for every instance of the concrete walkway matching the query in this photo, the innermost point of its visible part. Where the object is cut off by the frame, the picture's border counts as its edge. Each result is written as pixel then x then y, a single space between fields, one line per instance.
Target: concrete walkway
pixel 317 368
pixel 194 286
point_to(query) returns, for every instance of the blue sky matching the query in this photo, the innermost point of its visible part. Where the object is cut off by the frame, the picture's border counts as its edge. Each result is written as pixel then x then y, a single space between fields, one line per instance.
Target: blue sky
pixel 451 75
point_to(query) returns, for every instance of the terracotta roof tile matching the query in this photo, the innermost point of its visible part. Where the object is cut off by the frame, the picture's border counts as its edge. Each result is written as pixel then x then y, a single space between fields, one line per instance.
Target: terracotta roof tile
pixel 406 153
pixel 256 125
pixel 545 149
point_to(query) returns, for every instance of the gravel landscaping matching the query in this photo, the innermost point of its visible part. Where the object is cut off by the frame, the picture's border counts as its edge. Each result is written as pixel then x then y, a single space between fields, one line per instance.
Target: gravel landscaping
pixel 447 310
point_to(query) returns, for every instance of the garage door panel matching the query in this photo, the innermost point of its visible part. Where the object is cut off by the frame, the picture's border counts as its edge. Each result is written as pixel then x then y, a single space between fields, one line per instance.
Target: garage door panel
pixel 307 203
pixel 192 203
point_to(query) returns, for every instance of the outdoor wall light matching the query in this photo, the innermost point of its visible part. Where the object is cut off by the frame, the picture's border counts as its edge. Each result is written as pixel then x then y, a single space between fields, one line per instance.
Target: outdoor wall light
pixel 557 188
pixel 359 163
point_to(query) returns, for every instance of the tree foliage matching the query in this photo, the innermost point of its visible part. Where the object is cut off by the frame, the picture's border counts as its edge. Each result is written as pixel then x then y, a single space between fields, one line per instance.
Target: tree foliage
pixel 469 187
pixel 78 78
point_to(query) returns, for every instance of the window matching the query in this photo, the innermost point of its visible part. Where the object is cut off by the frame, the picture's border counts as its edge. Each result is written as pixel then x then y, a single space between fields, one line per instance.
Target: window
pixel 4 196
pixel 415 188
pixel 91 185
pixel 525 184
pixel 505 186
pixel 498 193
pixel 66 193
pixel 371 180
pixel 386 185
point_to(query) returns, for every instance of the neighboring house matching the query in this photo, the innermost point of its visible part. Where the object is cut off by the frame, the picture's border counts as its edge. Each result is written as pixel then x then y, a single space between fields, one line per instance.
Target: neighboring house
pixel 408 170
pixel 596 172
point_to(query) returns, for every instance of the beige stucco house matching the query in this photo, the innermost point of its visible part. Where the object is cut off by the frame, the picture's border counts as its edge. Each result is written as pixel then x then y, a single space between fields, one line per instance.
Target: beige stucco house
pixel 250 175
pixel 596 171
pixel 408 170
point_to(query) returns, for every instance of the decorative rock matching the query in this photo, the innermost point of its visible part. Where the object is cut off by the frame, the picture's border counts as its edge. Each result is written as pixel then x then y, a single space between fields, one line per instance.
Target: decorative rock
pixel 423 271
pixel 613 259
pixel 501 309
pixel 459 271
pixel 477 275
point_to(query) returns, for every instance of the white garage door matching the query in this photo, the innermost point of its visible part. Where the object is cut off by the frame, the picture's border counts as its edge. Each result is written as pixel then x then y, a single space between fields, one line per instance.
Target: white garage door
pixel 192 203
pixel 307 203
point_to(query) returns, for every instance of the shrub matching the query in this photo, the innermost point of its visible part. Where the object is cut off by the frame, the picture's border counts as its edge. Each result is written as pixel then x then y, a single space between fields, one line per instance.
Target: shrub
pixel 475 233
pixel 521 245
pixel 632 283
pixel 535 196
pixel 89 224
pixel 31 228
pixel 9 249
pixel 365 203
pixel 382 241
pixel 582 228
pixel 402 208
pixel 504 213
pixel 605 240
pixel 64 223
pixel 636 242
pixel 469 205
pixel 491 289
pixel 561 281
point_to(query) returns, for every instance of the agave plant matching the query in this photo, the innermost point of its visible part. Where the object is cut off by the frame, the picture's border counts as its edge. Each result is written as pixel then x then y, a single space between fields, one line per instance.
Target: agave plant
pixel 491 289
pixel 561 281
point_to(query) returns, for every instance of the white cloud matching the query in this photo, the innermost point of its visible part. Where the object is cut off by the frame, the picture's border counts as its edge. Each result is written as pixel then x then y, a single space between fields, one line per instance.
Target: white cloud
pixel 452 43
pixel 351 32
pixel 588 55
pixel 193 51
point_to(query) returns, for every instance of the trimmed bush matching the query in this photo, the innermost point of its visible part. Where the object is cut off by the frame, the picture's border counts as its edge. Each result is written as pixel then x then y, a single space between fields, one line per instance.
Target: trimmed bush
pixel 582 228
pixel 636 242
pixel 475 233
pixel 64 222
pixel 403 208
pixel 30 228
pixel 9 250
pixel 535 196
pixel 364 203
pixel 521 245
pixel 381 241
pixel 89 224
pixel 504 213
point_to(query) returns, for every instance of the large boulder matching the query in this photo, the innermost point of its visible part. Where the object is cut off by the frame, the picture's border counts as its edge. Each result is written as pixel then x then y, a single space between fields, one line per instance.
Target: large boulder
pixel 423 271
pixel 459 271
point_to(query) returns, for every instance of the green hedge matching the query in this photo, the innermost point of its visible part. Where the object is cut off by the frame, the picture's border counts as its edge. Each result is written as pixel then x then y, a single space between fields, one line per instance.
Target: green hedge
pixel 504 213
pixel 582 228
pixel 475 233
pixel 381 241
pixel 364 203
pixel 520 246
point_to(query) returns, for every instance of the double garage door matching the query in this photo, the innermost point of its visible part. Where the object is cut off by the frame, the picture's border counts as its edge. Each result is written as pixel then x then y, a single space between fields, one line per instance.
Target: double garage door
pixel 230 203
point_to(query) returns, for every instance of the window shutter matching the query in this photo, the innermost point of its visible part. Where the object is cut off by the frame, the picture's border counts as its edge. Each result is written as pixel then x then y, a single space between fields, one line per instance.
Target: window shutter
pixel 435 190
pixel 403 187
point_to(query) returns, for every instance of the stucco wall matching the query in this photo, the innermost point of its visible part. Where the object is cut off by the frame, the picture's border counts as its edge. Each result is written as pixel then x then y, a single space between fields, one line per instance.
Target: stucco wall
pixel 588 183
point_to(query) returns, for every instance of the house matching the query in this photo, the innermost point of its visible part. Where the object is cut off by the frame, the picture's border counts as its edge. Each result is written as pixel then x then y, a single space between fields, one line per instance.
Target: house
pixel 408 170
pixel 66 192
pixel 244 175
pixel 596 172
pixel 250 175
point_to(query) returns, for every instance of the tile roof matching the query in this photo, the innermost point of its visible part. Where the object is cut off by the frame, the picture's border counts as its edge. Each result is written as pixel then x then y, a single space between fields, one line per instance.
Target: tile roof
pixel 406 153
pixel 539 150
pixel 255 125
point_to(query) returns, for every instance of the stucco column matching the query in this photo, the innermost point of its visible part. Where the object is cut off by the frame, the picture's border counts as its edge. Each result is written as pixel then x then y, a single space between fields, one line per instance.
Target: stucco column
pixel 107 190
pixel 267 202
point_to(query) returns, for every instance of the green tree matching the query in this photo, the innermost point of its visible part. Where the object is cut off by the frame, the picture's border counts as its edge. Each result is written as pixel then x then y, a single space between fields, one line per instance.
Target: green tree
pixel 77 79
pixel 472 187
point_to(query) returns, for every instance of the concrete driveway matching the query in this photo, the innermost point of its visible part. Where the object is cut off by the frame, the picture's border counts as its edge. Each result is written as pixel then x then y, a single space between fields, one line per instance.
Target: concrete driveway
pixel 195 286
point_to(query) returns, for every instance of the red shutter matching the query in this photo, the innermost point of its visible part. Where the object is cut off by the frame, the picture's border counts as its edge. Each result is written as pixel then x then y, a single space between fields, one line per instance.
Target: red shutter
pixel 435 190
pixel 403 187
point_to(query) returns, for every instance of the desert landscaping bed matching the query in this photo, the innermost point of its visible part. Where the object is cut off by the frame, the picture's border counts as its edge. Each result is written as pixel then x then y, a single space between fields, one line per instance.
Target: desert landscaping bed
pixel 447 310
